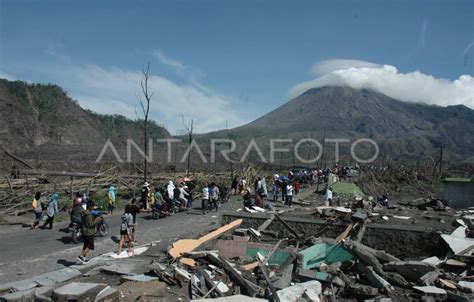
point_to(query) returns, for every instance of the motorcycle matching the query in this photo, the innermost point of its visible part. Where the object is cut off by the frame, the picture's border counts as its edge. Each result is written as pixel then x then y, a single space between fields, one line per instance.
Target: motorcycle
pixel 163 210
pixel 102 228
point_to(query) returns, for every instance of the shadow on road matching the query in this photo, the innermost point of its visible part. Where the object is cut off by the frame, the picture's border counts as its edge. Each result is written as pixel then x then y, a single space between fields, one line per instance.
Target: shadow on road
pixel 66 262
pixel 66 240
pixel 115 239
pixel 64 230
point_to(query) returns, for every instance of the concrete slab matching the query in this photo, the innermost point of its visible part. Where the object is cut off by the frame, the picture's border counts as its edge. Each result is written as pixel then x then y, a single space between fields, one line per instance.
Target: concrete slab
pixel 77 291
pixel 411 270
pixel 18 285
pixel 433 260
pixel 456 244
pixel 59 276
pixel 292 293
pixel 431 291
pixel 467 285
pixel 122 268
pixel 107 294
pixel 459 232
pixel 24 295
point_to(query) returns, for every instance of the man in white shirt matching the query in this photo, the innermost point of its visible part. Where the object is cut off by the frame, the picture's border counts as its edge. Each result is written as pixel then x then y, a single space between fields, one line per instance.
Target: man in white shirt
pixel 205 198
pixel 289 194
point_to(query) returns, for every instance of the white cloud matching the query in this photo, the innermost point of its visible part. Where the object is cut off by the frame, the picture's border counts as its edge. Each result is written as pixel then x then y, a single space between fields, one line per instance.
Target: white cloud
pixel 164 59
pixel 114 90
pixel 412 86
pixel 328 66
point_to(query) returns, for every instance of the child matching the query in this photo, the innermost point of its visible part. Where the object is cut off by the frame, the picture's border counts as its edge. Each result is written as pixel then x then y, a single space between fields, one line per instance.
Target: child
pixel 126 229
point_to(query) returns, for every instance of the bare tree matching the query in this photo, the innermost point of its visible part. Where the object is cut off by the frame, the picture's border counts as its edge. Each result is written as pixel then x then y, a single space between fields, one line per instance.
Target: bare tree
pixel 189 128
pixel 145 105
pixel 230 136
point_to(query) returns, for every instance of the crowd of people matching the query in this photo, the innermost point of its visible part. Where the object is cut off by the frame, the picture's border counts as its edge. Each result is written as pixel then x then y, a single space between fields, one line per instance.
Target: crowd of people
pixel 165 200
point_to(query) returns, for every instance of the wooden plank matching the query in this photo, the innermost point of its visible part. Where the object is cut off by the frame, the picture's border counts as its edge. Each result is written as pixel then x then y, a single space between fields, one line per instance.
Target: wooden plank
pixel 247 287
pixel 344 234
pixel 295 233
pixel 267 257
pixel 267 222
pixel 188 245
pixel 270 284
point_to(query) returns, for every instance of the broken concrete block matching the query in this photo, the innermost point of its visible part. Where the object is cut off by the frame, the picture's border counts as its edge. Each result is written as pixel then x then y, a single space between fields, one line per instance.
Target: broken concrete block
pixel 375 279
pixel 397 280
pixel 77 291
pixel 360 290
pixel 18 285
pixel 459 297
pixel 458 245
pixel 459 232
pixel 58 276
pixel 108 294
pixel 310 296
pixel 44 293
pixel 24 295
pixel 454 264
pixel 222 287
pixel 431 291
pixel 181 274
pixel 467 285
pixel 429 278
pixel 121 269
pixel 433 260
pixel 411 270
pixel 285 279
pixel 292 293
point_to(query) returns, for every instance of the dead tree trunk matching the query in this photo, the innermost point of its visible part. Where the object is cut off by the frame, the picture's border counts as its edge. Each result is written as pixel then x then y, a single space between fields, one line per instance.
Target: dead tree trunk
pixel 189 128
pixel 145 105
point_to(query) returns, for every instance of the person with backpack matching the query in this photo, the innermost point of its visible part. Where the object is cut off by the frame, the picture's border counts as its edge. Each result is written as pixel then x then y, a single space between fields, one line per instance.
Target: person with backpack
pixel 51 210
pixel 37 210
pixel 88 227
pixel 126 230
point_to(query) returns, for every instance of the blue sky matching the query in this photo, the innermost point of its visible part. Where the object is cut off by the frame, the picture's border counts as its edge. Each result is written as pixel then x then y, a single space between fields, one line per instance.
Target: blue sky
pixel 219 61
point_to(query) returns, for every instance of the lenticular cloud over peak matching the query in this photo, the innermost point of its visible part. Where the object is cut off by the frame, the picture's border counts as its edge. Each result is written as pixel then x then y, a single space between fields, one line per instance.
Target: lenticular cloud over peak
pixel 411 87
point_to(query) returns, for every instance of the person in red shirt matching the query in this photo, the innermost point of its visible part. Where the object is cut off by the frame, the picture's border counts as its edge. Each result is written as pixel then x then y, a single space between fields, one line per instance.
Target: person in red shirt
pixel 297 187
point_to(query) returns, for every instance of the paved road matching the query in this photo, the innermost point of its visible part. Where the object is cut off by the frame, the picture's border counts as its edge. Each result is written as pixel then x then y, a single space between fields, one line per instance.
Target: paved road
pixel 25 252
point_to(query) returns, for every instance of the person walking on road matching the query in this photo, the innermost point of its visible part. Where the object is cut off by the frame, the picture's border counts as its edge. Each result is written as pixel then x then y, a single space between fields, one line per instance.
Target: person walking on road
pixel 37 210
pixel 297 187
pixel 289 194
pixel 275 189
pixel 126 229
pixel 51 210
pixel 205 198
pixel 111 199
pixel 88 225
